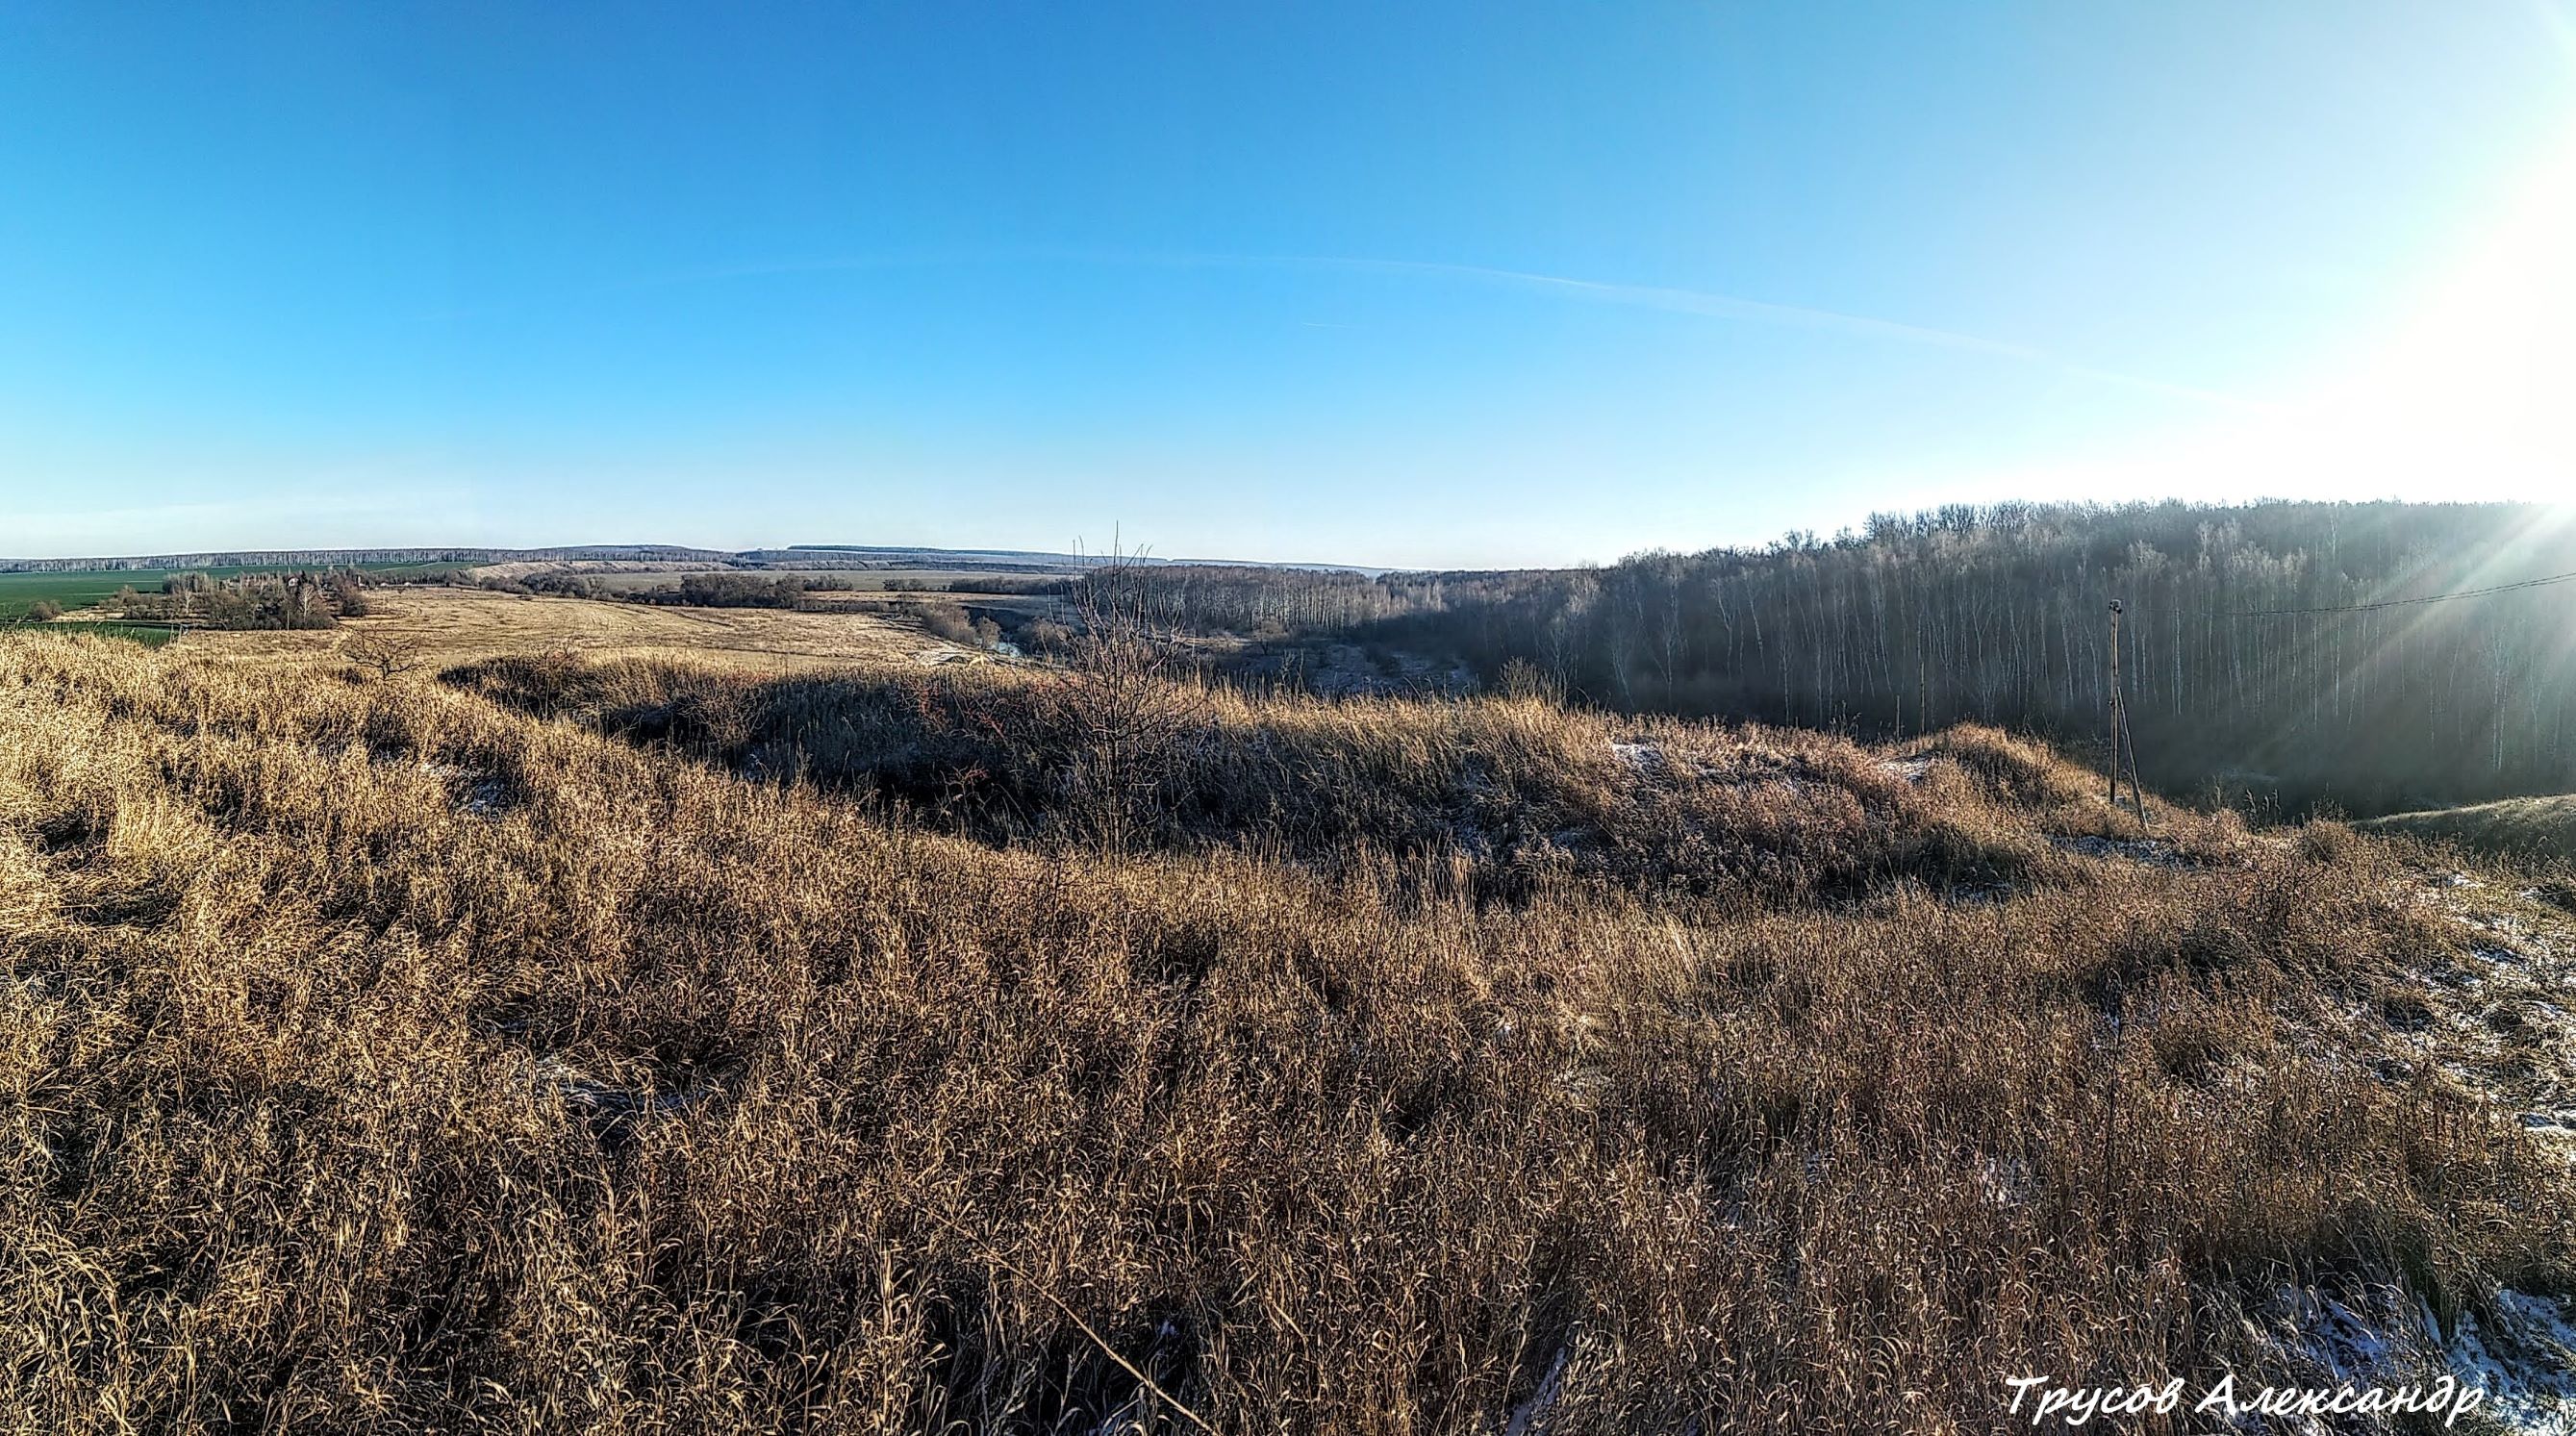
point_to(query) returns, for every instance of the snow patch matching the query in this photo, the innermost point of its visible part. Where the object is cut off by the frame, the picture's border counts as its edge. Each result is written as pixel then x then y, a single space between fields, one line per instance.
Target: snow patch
pixel 2525 1357
pixel 1912 770
pixel 1531 1416
pixel 2009 1182
pixel 2139 850
pixel 1644 757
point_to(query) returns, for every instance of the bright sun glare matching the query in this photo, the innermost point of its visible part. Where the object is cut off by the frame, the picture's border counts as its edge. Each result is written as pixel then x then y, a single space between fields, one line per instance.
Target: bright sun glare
pixel 2479 390
pixel 2470 395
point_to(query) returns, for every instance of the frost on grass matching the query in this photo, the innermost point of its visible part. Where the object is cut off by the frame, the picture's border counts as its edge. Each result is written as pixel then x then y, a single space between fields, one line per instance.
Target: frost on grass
pixel 2524 1354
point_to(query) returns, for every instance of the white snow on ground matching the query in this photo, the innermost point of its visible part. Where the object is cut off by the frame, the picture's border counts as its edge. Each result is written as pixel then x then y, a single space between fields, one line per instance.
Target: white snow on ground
pixel 2140 850
pixel 2340 1341
pixel 2522 1351
pixel 1530 1417
pixel 2501 1001
pixel 2522 1357
pixel 2009 1181
pixel 2526 1360
pixel 1644 757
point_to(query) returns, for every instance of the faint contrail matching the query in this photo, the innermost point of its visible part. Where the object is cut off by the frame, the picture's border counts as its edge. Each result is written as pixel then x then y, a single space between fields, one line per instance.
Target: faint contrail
pixel 1644 296
pixel 1676 301
pixel 1729 306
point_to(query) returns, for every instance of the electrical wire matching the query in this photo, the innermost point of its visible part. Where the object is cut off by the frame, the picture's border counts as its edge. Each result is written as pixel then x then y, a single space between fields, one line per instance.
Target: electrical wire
pixel 2407 602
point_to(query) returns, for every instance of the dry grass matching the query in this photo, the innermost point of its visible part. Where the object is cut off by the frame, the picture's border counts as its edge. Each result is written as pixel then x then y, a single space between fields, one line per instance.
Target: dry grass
pixel 376 1056
pixel 1502 797
pixel 2541 829
pixel 457 625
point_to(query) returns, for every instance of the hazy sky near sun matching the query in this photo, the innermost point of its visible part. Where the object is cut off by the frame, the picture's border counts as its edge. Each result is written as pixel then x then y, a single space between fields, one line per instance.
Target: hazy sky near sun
pixel 1419 284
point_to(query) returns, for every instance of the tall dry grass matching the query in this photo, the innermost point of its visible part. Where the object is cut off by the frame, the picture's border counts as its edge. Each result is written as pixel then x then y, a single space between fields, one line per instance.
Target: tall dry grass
pixel 374 1056
pixel 1512 794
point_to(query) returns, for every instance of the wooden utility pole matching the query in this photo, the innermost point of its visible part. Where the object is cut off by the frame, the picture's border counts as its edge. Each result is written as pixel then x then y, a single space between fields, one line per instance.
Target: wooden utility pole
pixel 2115 703
pixel 2120 745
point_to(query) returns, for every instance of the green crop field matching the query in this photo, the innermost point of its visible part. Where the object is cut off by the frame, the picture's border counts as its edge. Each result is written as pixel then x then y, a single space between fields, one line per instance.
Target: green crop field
pixel 19 591
pixel 150 635
pixel 87 588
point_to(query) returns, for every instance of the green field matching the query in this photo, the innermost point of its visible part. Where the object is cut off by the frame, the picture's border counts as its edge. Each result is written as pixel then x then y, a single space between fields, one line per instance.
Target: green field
pixel 19 591
pixel 86 588
pixel 150 635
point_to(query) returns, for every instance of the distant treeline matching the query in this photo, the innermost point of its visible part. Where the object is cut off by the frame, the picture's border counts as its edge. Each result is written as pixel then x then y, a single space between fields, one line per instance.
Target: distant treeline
pixel 1999 614
pixel 696 590
pixel 331 558
pixel 736 590
pixel 1257 602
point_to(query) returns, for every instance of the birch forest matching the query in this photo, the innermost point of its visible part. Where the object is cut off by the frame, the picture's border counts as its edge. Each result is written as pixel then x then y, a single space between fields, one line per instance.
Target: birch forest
pixel 2277 648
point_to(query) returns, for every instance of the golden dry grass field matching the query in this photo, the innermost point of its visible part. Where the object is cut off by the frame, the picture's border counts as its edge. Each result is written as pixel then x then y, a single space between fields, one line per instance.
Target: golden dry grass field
pixel 600 1029
pixel 453 624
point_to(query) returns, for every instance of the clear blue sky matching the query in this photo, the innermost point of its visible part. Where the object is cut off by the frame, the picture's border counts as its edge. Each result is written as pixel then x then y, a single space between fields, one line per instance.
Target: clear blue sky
pixel 1411 284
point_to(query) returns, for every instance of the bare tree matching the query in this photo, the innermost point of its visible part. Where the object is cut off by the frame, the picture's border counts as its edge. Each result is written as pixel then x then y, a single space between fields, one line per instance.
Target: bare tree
pixel 390 655
pixel 1128 716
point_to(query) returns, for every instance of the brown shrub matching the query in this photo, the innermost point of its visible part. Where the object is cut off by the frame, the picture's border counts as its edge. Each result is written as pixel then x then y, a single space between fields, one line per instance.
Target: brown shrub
pixel 946 621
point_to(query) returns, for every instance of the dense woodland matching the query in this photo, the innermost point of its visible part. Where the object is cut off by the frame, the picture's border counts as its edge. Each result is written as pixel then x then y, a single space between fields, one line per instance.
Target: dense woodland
pixel 2000 614
pixel 694 590
pixel 1262 602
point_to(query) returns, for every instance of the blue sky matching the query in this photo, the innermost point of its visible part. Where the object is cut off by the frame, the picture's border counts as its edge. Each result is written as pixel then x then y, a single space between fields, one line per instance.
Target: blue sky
pixel 1424 285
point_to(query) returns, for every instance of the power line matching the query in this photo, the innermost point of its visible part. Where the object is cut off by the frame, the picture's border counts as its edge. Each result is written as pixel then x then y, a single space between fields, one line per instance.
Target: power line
pixel 2406 602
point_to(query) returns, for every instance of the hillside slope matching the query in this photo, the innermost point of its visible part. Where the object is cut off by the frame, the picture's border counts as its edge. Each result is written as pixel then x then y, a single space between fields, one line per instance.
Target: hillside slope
pixel 379 1056
pixel 2533 828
